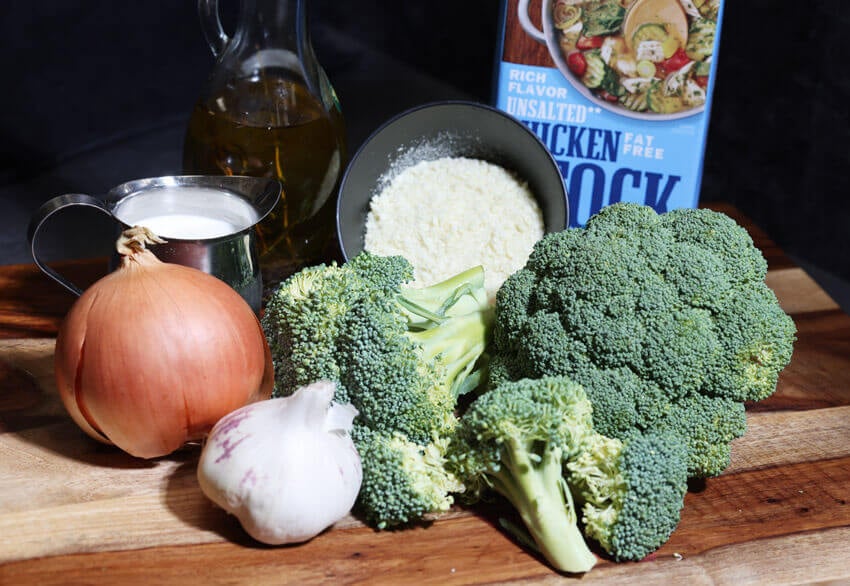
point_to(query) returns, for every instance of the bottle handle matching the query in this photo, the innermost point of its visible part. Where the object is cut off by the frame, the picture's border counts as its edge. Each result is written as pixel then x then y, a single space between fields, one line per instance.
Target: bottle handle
pixel 44 212
pixel 211 26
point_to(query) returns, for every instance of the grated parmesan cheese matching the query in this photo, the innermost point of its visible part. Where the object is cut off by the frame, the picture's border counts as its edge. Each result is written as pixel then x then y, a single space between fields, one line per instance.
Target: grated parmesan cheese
pixel 452 213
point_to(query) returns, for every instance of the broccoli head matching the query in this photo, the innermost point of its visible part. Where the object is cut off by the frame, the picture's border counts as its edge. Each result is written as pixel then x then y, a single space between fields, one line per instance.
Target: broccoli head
pixel 401 356
pixel 402 481
pixel 301 324
pixel 515 439
pixel 533 442
pixel 652 313
pixel 631 492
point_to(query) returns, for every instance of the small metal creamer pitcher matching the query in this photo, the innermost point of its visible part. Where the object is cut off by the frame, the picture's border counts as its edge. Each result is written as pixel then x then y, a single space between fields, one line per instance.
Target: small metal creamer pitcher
pixel 208 223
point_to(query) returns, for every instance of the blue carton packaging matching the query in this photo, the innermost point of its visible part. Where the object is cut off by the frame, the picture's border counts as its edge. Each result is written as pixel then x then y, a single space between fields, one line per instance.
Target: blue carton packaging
pixel 619 91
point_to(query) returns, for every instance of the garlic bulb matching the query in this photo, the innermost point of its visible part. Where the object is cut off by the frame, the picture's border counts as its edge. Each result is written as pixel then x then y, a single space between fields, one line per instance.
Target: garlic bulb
pixel 287 468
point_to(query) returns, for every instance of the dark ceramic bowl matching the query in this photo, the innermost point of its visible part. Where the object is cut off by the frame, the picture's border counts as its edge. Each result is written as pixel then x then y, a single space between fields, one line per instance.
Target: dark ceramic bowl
pixel 446 129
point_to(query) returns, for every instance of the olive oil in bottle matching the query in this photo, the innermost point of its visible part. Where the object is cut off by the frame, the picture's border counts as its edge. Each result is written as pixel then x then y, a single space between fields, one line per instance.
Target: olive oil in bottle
pixel 270 126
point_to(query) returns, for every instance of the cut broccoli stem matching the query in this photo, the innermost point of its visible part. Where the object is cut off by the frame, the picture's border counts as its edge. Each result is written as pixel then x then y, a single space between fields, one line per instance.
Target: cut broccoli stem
pixel 457 295
pixel 475 377
pixel 537 490
pixel 457 343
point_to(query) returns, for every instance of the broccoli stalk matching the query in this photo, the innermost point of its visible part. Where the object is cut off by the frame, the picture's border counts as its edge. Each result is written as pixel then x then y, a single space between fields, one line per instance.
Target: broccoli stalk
pixel 534 485
pixel 457 343
pixel 461 294
pixel 450 323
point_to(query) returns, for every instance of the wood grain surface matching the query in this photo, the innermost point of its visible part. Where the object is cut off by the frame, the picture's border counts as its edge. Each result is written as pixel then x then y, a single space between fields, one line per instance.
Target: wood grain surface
pixel 75 511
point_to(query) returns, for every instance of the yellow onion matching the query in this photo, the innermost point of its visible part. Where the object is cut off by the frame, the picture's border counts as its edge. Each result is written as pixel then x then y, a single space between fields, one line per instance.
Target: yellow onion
pixel 154 354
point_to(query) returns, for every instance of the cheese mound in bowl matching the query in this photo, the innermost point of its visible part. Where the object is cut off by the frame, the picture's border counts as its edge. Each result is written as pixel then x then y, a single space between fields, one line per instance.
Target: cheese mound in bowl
pixel 446 215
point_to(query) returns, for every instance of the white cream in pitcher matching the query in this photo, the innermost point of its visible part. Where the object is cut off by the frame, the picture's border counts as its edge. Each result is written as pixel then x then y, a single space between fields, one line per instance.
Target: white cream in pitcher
pixel 187 213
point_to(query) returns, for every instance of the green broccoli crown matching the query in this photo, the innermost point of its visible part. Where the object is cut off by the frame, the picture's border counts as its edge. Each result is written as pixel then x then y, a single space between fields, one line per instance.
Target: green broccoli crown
pixel 309 317
pixel 706 425
pixel 515 439
pixel 401 356
pixel 530 413
pixel 383 273
pixel 623 402
pixel 402 481
pixel 647 311
pixel 631 493
pixel 756 337
pixel 301 322
pixel 392 382
pixel 722 237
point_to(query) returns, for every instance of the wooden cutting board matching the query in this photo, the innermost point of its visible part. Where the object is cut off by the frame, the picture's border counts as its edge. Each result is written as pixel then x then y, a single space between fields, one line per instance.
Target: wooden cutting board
pixel 73 510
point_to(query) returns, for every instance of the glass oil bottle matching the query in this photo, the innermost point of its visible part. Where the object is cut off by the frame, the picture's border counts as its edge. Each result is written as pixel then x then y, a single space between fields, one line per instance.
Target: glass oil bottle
pixel 269 110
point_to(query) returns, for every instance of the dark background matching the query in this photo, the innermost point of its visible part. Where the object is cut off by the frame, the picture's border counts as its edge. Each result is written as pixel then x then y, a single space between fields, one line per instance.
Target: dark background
pixel 95 93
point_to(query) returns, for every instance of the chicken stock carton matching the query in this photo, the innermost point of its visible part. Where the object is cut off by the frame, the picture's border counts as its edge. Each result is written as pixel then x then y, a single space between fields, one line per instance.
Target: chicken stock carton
pixel 619 91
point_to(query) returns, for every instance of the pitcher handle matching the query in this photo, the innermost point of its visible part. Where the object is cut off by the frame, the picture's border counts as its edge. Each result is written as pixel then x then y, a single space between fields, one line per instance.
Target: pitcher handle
pixel 211 26
pixel 525 21
pixel 44 212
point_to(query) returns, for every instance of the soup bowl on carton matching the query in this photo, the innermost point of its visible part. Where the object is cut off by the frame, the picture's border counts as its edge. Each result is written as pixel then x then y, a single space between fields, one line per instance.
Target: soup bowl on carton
pixel 564 42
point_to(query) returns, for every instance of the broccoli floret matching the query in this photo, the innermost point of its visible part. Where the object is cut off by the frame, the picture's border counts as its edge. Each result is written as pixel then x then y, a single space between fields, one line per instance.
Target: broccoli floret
pixel 515 439
pixel 401 356
pixel 679 347
pixel 631 492
pixel 381 273
pixel 707 426
pixel 652 313
pixel 755 334
pixel 302 325
pixel 409 381
pixel 719 235
pixel 533 442
pixel 623 402
pixel 402 481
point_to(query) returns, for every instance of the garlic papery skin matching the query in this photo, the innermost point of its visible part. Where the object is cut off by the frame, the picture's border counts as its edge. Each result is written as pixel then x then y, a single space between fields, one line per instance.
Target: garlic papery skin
pixel 287 468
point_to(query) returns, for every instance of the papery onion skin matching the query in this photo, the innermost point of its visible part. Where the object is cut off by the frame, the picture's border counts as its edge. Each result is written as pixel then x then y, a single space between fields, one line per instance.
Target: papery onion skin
pixel 153 354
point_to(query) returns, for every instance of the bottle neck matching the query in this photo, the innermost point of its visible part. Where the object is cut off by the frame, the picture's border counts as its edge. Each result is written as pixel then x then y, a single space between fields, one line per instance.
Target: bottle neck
pixel 272 41
pixel 274 24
